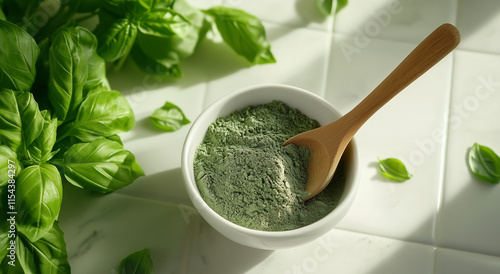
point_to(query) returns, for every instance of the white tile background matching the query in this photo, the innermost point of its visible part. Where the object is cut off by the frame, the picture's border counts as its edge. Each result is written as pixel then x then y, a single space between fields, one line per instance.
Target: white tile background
pixel 441 221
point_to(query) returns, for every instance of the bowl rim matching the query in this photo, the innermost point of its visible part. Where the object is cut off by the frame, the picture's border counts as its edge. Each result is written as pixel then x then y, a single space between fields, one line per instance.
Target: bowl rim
pixel 203 208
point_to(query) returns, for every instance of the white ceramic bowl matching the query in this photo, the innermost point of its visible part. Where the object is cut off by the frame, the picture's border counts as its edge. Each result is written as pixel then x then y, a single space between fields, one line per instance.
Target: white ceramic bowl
pixel 309 104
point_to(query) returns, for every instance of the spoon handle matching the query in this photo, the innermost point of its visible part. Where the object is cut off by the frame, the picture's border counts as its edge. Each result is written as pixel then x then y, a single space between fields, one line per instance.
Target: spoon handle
pixel 429 52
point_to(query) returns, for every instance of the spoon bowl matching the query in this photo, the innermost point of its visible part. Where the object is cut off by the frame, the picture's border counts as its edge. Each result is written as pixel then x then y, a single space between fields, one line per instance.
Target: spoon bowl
pixel 327 143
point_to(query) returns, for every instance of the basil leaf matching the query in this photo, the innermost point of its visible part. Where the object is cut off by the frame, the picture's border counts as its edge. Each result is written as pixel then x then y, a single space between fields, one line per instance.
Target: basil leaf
pixel 158 22
pixel 18 55
pixel 9 165
pixel 89 5
pixel 69 57
pixel 116 38
pixel 41 149
pixel 484 163
pixel 341 4
pixel 102 165
pixel 11 269
pixel 169 117
pixel 20 120
pixel 394 169
pixel 160 56
pixel 46 255
pixel 5 235
pixel 128 8
pixel 39 196
pixel 138 262
pixel 244 33
pixel 96 74
pixel 102 114
pixel 158 68
pixel 325 6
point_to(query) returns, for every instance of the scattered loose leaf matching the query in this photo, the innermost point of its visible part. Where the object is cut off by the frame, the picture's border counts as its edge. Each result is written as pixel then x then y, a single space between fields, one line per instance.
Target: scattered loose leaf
pixel 484 163
pixel 138 262
pixel 169 117
pixel 394 169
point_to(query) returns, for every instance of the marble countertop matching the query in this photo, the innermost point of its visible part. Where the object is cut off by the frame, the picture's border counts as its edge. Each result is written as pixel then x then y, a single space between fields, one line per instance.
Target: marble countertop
pixel 443 220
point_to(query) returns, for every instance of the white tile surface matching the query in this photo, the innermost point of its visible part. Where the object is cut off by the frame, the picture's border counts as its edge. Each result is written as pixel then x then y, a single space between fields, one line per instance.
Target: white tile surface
pixel 468 220
pixel 296 13
pixel 400 20
pixel 459 262
pixel 479 22
pixel 412 132
pixel 301 61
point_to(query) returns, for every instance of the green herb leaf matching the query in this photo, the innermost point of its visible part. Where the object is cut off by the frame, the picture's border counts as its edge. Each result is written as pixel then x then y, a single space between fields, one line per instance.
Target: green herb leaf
pixel 131 9
pixel 158 68
pixel 39 196
pixel 46 255
pixel 137 263
pixel 69 57
pixel 9 165
pixel 40 150
pixel 484 163
pixel 159 55
pixel 96 78
pixel 102 114
pixel 244 33
pixel 326 6
pixel 394 169
pixel 169 117
pixel 159 22
pixel 20 120
pixel 116 38
pixel 18 55
pixel 102 165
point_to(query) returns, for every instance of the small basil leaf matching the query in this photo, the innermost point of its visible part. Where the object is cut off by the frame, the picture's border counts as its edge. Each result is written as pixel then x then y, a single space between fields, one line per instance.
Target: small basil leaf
pixel 46 255
pixel 39 196
pixel 325 6
pixel 115 38
pixel 484 163
pixel 41 149
pixel 20 120
pixel 244 33
pixel 138 262
pixel 102 165
pixel 9 165
pixel 169 117
pixel 18 55
pixel 97 74
pixel 341 4
pixel 69 57
pixel 102 114
pixel 394 169
pixel 158 22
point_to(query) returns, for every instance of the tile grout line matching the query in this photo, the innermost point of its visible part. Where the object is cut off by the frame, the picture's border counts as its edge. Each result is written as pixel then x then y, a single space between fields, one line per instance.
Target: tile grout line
pixel 444 151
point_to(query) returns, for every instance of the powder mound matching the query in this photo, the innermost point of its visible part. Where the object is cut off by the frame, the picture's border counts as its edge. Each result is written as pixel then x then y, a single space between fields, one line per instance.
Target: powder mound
pixel 246 176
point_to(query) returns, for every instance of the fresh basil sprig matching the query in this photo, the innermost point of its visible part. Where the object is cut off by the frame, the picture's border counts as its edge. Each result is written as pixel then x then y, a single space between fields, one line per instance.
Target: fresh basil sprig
pixel 484 163
pixel 169 117
pixel 393 169
pixel 73 134
pixel 137 262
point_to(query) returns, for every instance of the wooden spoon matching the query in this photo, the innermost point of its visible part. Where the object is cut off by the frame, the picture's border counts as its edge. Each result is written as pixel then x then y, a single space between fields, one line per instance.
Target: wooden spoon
pixel 327 143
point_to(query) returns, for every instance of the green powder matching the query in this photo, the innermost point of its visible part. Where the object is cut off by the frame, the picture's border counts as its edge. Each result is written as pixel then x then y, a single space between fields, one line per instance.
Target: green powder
pixel 245 174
